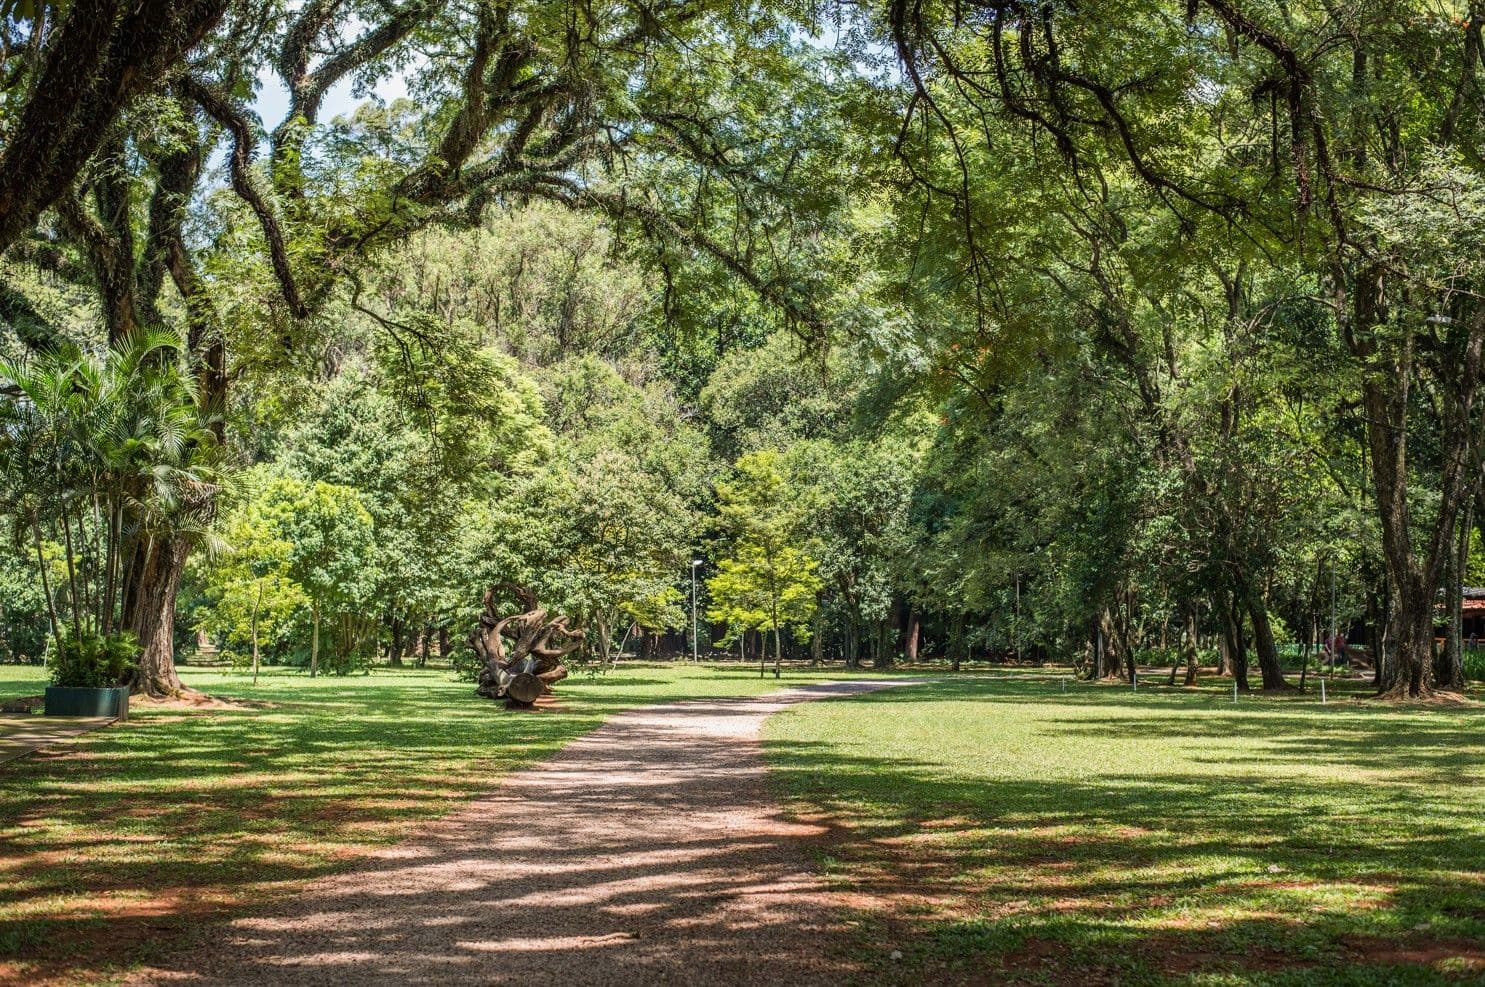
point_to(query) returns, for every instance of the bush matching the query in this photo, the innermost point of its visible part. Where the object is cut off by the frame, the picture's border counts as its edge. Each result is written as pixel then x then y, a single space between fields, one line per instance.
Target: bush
pixel 466 664
pixel 336 662
pixel 1474 664
pixel 93 661
pixel 23 637
pixel 1173 655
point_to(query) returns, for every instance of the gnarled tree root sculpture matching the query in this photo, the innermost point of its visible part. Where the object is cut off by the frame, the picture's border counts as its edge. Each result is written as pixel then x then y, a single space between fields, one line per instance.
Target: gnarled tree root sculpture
pixel 526 668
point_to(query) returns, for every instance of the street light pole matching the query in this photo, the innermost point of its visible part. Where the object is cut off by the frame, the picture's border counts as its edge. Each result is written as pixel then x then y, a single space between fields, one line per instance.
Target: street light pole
pixel 695 641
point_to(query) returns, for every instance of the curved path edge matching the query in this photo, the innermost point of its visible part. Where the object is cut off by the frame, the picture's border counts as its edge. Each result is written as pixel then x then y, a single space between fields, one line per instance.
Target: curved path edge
pixel 649 850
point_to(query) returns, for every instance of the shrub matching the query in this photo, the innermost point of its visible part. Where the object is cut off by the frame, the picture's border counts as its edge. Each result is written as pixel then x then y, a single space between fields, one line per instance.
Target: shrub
pixel 93 661
pixel 466 664
pixel 1474 664
pixel 1173 655
pixel 338 662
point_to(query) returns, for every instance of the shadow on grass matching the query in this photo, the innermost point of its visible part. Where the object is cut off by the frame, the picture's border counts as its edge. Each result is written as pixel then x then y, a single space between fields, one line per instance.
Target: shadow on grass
pixel 647 852
pixel 111 849
pixel 108 848
pixel 1324 844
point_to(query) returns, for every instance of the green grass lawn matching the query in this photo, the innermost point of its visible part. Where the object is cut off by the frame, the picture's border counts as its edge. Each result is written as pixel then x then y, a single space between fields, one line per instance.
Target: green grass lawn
pixel 997 827
pixel 114 846
pixel 21 680
pixel 1001 829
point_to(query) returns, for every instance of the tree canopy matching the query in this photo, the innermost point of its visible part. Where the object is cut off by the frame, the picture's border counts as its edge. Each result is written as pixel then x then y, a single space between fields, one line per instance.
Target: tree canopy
pixel 1144 332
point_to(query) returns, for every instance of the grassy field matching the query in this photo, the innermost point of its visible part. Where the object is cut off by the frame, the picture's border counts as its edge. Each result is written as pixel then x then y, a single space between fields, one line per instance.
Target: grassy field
pixel 115 846
pixel 994 827
pixel 1002 829
pixel 21 680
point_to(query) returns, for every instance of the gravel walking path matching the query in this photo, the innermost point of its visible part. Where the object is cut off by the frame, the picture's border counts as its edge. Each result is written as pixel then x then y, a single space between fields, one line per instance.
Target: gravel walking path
pixel 648 851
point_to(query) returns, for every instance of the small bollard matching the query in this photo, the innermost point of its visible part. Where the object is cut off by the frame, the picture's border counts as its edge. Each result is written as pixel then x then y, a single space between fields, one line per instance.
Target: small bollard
pixel 1234 693
pixel 1134 680
pixel 1322 692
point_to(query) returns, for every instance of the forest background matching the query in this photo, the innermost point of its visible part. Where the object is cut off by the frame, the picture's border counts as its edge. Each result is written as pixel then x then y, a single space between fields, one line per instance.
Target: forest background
pixel 1149 334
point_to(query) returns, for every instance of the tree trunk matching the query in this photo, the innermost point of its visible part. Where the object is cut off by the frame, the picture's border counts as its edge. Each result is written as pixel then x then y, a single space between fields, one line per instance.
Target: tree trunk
pixel 1414 554
pixel 1386 648
pixel 1451 666
pixel 956 645
pixel 910 651
pixel 394 655
pixel 1112 665
pixel 314 638
pixel 257 602
pixel 1312 643
pixel 605 639
pixel 152 617
pixel 1411 668
pixel 883 656
pixel 1224 638
pixel 1191 647
pixel 1263 643
pixel 46 589
pixel 1237 647
pixel 532 661
pixel 1376 623
pixel 443 643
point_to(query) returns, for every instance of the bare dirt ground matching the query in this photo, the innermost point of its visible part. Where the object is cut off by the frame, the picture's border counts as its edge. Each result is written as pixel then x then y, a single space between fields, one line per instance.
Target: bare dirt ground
pixel 649 851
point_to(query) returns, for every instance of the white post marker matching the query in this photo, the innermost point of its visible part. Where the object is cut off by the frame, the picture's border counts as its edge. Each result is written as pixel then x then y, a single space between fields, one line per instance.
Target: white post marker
pixel 1134 679
pixel 1322 692
pixel 1234 691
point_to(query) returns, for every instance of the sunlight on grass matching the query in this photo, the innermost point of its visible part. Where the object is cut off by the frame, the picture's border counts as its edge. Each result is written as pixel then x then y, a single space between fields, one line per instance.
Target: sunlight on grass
pixel 119 842
pixel 1006 828
pixel 22 680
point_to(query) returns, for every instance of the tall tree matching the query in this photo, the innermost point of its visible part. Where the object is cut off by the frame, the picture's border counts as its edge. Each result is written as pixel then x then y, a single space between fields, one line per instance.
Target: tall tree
pixel 767 580
pixel 513 101
pixel 1320 133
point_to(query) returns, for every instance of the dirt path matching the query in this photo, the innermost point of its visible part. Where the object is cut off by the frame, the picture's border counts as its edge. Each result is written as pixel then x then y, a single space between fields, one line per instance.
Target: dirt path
pixel 648 851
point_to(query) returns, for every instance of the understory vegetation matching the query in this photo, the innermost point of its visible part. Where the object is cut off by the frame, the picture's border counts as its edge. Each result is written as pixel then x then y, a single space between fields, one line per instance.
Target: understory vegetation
pixel 343 340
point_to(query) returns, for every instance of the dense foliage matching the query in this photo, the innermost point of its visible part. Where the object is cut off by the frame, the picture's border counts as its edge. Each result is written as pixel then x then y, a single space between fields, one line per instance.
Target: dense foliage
pixel 1144 333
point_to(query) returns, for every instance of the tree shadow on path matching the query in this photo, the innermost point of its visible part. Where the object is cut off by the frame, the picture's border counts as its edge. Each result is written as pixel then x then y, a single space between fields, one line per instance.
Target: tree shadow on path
pixel 647 850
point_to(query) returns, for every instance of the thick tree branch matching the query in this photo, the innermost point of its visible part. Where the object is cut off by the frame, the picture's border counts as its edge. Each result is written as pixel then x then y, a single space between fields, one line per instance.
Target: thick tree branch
pixel 103 54
pixel 219 109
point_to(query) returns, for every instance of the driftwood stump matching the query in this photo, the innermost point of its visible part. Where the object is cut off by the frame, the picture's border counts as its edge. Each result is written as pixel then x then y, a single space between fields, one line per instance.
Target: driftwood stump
pixel 532 662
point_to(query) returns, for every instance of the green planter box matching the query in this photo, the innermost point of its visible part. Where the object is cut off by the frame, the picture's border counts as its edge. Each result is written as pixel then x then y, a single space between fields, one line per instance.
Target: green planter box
pixel 67 701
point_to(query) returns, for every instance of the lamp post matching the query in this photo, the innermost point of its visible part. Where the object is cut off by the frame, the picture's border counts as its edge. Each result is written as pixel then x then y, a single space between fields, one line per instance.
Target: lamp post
pixel 695 646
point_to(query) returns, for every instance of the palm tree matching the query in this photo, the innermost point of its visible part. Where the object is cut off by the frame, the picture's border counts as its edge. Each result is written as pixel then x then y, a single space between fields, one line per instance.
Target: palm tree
pixel 111 456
